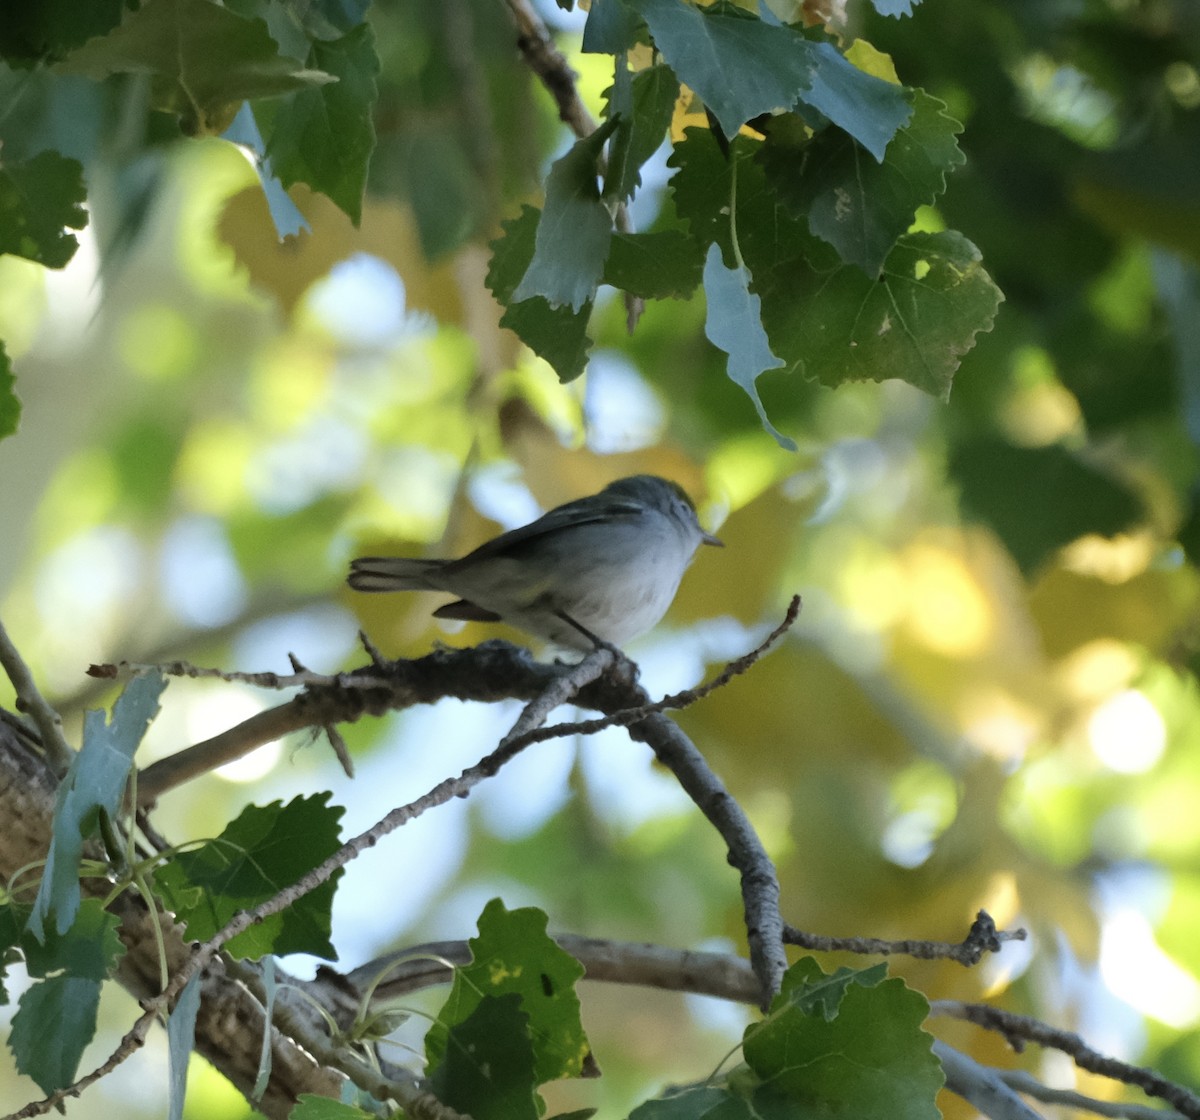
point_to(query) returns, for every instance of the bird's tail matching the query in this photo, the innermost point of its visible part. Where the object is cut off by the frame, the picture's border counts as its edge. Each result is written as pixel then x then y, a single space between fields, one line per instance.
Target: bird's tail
pixel 392 573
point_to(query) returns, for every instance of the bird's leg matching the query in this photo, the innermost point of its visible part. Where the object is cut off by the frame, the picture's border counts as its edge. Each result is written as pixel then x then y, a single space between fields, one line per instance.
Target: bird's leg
pixel 619 657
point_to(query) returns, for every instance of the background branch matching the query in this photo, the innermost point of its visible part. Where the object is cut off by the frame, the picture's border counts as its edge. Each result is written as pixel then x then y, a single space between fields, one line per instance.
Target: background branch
pixel 1019 1029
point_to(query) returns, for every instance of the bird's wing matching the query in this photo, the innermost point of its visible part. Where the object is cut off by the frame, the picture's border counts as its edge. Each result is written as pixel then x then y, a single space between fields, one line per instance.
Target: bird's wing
pixel 584 511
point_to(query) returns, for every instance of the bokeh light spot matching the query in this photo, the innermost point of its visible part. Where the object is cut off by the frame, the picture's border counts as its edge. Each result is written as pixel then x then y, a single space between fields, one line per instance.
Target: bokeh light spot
pixel 948 611
pixel 1127 733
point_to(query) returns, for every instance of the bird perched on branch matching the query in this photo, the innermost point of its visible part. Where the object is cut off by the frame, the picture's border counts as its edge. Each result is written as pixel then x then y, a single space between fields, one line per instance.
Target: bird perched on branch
pixel 599 570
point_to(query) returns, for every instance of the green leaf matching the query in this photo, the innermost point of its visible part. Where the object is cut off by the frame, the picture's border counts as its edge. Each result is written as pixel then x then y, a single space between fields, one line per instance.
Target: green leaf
pixel 611 27
pixel 94 784
pixel 311 1107
pixel 868 108
pixel 90 949
pixel 285 214
pixel 742 67
pixel 644 117
pixel 202 60
pixel 50 28
pixel 266 849
pixel 40 199
pixel 55 1022
pixel 734 324
pixel 325 136
pixel 573 233
pixel 486 1068
pixel 703 185
pixel 914 323
pixel 514 956
pixel 10 404
pixel 862 1053
pixel 181 1039
pixel 857 205
pixel 683 1104
pixel 828 319
pixel 739 65
pixel 662 265
pixel 12 922
pixel 557 334
pixel 813 991
pixel 1038 499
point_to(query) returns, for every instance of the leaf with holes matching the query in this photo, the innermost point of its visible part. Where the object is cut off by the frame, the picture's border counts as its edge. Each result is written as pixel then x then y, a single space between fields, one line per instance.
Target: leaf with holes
pixel 857 205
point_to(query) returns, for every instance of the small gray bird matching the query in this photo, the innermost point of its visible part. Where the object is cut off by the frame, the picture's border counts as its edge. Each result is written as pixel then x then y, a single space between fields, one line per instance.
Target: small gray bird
pixel 605 567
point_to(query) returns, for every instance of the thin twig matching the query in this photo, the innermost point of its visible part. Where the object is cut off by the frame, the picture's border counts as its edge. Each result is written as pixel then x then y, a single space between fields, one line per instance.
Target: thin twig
pixel 981 1086
pixel 549 64
pixel 30 700
pixel 557 693
pixel 1026 1083
pixel 1019 1029
pixel 983 937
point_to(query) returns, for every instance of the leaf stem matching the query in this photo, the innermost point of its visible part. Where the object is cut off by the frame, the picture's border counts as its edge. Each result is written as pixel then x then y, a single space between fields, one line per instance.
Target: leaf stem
pixel 733 236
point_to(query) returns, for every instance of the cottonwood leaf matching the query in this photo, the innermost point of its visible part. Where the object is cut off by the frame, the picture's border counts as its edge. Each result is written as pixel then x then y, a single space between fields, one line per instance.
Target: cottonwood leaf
pixel 41 198
pixel 738 64
pixel 181 1039
pixel 733 323
pixel 55 1021
pixel 202 60
pixel 644 109
pixel 486 1069
pixel 266 849
pixel 49 29
pixel 742 67
pixel 691 1103
pixel 611 27
pixel 514 956
pixel 90 949
pixel 571 242
pixel 95 784
pixel 868 108
pixel 661 265
pixel 859 1051
pixel 858 205
pixel 914 323
pixel 556 334
pixel 285 214
pixel 324 136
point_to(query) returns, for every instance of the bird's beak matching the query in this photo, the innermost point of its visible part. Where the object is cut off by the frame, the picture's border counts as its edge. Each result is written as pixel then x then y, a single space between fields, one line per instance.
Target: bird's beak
pixel 708 538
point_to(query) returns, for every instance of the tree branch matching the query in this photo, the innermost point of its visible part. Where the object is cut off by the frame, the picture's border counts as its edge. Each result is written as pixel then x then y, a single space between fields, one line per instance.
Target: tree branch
pixel 30 700
pixel 548 63
pixel 1026 1083
pixel 981 1086
pixel 983 937
pixel 1019 1029
pixel 594 682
